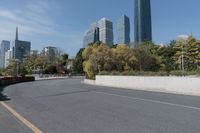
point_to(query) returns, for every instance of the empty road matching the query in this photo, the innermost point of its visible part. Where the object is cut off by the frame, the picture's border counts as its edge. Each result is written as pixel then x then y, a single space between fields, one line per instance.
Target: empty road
pixel 68 106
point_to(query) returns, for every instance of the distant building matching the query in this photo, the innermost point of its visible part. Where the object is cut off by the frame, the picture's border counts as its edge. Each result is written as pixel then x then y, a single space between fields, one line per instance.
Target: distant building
pixel 34 52
pixel 20 49
pixel 123 30
pixel 91 35
pixel 143 26
pixel 4 47
pixel 70 64
pixel 51 53
pixel 106 31
pixel 8 57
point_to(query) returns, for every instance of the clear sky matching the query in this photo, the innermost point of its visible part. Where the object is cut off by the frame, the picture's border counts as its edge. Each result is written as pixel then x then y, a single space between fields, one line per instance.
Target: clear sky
pixel 62 23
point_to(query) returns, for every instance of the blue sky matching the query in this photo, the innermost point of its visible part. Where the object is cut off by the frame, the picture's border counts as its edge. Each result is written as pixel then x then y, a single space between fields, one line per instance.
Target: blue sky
pixel 62 23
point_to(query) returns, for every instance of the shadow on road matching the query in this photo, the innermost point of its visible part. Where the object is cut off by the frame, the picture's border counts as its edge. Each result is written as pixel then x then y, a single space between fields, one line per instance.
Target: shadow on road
pixel 2 96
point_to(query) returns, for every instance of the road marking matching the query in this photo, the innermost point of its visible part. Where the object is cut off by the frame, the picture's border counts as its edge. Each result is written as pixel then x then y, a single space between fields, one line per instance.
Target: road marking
pixel 149 100
pixel 21 118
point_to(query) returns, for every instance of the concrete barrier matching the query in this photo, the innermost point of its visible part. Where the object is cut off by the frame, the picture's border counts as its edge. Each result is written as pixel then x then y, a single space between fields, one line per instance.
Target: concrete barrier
pixel 13 80
pixel 56 78
pixel 180 85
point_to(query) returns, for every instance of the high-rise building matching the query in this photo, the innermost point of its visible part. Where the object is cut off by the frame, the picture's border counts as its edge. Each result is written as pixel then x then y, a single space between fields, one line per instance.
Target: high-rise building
pixel 91 35
pixel 8 57
pixel 20 49
pixel 143 27
pixel 34 52
pixel 106 31
pixel 51 53
pixel 4 47
pixel 123 30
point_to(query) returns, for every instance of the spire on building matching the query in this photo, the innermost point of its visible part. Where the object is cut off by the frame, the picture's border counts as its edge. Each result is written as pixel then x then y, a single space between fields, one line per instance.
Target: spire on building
pixel 16 38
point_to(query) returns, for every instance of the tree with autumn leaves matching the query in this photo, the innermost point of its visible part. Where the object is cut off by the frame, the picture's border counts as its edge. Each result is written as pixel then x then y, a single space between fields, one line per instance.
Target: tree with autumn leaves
pixel 99 57
pixel 145 57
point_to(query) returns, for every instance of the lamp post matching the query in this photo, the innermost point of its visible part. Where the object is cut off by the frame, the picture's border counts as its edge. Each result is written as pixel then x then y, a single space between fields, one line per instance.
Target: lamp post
pixel 17 69
pixel 182 61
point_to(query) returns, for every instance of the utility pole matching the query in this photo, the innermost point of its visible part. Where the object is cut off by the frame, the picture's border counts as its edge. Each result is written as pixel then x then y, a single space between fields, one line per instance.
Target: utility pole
pixel 182 61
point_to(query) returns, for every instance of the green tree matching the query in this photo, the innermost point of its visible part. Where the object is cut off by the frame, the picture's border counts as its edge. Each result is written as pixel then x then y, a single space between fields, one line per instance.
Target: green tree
pixel 12 69
pixel 147 57
pixel 167 52
pixel 187 53
pixel 78 63
pixel 192 54
pixel 35 61
pixel 124 58
pixel 64 59
pixel 51 70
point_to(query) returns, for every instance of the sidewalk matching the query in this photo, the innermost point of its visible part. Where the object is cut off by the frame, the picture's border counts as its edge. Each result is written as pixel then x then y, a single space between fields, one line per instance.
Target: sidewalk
pixel 54 78
pixel 50 78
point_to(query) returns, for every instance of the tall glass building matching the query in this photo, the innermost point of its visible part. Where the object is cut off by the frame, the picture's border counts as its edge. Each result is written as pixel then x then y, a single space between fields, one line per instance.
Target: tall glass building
pixel 143 27
pixel 4 47
pixel 91 35
pixel 8 57
pixel 123 30
pixel 20 49
pixel 106 31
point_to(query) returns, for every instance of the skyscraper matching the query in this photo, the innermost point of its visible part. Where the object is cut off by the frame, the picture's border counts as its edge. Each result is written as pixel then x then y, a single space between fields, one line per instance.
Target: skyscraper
pixel 8 57
pixel 20 49
pixel 4 47
pixel 106 31
pixel 123 30
pixel 91 35
pixel 143 27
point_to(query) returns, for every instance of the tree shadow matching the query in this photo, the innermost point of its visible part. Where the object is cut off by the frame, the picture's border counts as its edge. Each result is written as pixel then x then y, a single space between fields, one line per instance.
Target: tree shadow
pixel 2 96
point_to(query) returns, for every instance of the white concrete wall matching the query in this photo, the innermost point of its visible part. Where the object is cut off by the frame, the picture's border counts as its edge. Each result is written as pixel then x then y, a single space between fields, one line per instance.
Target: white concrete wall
pixel 181 85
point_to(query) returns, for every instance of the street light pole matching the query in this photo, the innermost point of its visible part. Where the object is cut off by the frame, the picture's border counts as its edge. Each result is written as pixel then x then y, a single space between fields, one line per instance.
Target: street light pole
pixel 17 66
pixel 182 61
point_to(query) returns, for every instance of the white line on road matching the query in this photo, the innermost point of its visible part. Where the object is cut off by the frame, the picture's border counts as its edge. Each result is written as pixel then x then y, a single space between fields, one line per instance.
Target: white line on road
pixel 149 100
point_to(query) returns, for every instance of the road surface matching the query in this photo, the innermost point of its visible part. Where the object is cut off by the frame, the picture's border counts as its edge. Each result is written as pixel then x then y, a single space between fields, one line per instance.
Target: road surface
pixel 68 106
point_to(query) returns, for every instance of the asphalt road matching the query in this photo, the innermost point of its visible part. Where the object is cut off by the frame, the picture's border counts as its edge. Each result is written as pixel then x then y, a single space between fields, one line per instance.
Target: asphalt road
pixel 68 106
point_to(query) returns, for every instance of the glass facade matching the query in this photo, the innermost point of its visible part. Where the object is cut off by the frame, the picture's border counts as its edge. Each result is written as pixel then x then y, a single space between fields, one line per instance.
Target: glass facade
pixel 91 35
pixel 106 31
pixel 123 30
pixel 143 27
pixel 20 49
pixel 4 47
pixel 8 57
